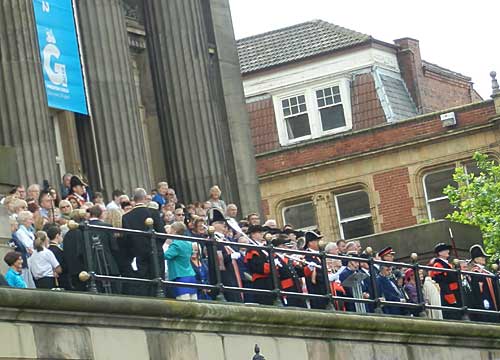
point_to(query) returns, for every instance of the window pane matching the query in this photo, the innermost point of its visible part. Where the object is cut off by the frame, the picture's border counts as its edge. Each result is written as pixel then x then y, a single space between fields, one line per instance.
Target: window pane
pixel 302 108
pixel 337 99
pixel 285 103
pixel 328 92
pixel 286 112
pixel 472 169
pixel 353 204
pixel 302 99
pixel 436 182
pixel 332 117
pixel 336 90
pixel 319 94
pixel 329 100
pixel 321 102
pixel 293 101
pixel 298 126
pixel 357 228
pixel 440 208
pixel 300 216
pixel 295 109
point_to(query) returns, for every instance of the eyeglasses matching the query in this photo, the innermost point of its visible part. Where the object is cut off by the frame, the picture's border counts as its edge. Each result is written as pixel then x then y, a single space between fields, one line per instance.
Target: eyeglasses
pixel 65 207
pixel 180 215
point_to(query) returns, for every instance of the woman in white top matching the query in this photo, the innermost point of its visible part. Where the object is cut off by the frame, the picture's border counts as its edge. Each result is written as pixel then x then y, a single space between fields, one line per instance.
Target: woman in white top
pixel 43 263
pixel 25 234
pixel 432 296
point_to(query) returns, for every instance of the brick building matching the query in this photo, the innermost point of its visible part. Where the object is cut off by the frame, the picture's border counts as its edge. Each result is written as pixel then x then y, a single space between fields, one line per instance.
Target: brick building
pixel 348 131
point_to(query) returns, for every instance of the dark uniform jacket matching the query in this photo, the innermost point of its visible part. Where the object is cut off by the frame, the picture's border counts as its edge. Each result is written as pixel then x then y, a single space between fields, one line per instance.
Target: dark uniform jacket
pixel 388 290
pixel 315 281
pixel 74 252
pixel 484 294
pixel 260 269
pixel 448 282
pixel 289 273
pixel 63 280
pixel 140 245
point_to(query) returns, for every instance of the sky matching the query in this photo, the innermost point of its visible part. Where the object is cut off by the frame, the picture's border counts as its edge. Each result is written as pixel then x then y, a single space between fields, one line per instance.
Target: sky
pixel 462 36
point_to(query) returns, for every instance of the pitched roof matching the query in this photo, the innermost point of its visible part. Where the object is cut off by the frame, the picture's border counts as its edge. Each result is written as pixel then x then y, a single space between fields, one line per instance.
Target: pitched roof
pixel 443 71
pixel 297 42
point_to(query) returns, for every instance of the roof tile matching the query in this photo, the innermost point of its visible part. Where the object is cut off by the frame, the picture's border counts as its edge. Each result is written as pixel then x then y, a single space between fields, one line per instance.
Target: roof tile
pixel 294 43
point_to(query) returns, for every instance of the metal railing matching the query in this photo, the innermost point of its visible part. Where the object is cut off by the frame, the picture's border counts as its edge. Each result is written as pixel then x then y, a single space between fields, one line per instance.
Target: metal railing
pixel 219 290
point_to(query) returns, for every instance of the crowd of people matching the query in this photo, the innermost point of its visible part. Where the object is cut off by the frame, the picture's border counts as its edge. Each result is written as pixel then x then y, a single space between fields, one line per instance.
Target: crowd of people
pixel 49 253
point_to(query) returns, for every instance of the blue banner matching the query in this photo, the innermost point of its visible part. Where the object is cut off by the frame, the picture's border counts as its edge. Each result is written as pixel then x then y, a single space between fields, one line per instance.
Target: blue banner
pixel 62 68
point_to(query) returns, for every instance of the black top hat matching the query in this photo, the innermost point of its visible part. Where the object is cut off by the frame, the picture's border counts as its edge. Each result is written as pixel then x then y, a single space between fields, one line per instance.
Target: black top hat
pixel 255 228
pixel 75 181
pixel 215 215
pixel 440 247
pixel 477 251
pixel 311 236
pixel 281 239
pixel 386 251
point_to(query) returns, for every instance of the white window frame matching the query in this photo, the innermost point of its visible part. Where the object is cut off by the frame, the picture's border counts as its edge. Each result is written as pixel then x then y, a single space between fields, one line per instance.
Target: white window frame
pixel 354 218
pixel 307 228
pixel 313 112
pixel 428 201
pixel 294 115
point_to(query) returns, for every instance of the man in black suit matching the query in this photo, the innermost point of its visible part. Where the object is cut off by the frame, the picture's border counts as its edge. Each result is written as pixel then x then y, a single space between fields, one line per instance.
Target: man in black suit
pixel 140 245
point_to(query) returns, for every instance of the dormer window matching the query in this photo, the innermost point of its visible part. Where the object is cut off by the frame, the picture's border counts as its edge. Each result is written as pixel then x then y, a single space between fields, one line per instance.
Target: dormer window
pixel 296 118
pixel 330 108
pixel 312 112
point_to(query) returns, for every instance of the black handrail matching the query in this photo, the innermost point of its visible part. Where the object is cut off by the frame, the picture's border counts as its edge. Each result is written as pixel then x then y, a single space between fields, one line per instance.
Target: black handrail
pixel 220 289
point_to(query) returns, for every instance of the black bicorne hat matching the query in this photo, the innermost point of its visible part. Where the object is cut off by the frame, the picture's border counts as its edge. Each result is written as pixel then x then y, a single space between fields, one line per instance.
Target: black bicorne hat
pixel 311 236
pixel 215 215
pixel 441 247
pixel 75 181
pixel 477 251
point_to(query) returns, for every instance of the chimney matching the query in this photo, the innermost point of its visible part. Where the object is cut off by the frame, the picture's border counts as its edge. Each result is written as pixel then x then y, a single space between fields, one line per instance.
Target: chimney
pixel 410 65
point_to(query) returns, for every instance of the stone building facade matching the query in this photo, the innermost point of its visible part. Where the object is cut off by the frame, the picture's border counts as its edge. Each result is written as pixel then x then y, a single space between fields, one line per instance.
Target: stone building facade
pixel 165 97
pixel 377 155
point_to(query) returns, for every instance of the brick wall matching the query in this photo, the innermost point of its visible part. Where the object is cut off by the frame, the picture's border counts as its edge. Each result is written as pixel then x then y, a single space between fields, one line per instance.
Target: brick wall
pixel 431 91
pixel 263 125
pixel 395 208
pixel 440 93
pixel 377 138
pixel 366 108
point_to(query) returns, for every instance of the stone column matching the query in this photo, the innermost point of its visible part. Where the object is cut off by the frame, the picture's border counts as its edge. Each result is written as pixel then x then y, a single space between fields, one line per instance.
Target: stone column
pixel 237 115
pixel 325 214
pixel 191 132
pixel 24 118
pixel 113 101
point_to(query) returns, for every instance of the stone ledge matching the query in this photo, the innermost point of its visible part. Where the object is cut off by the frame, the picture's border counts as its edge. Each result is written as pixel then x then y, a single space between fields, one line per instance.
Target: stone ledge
pixel 149 313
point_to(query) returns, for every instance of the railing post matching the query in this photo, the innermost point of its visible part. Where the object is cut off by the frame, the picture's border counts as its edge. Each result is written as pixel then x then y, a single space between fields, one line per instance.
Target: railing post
pixel 89 260
pixel 377 308
pixel 274 277
pixel 149 222
pixel 328 288
pixel 213 261
pixel 465 315
pixel 418 285
pixel 93 285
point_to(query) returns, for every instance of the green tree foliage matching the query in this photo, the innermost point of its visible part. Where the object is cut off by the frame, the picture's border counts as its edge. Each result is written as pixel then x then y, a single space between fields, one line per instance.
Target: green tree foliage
pixel 477 200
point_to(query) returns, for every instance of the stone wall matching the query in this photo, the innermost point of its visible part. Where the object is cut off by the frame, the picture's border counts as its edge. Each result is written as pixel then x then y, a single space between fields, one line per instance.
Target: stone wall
pixel 44 324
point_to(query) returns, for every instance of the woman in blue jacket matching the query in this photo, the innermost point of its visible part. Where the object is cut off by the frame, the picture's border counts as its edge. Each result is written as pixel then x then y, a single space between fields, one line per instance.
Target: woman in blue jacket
pixel 178 256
